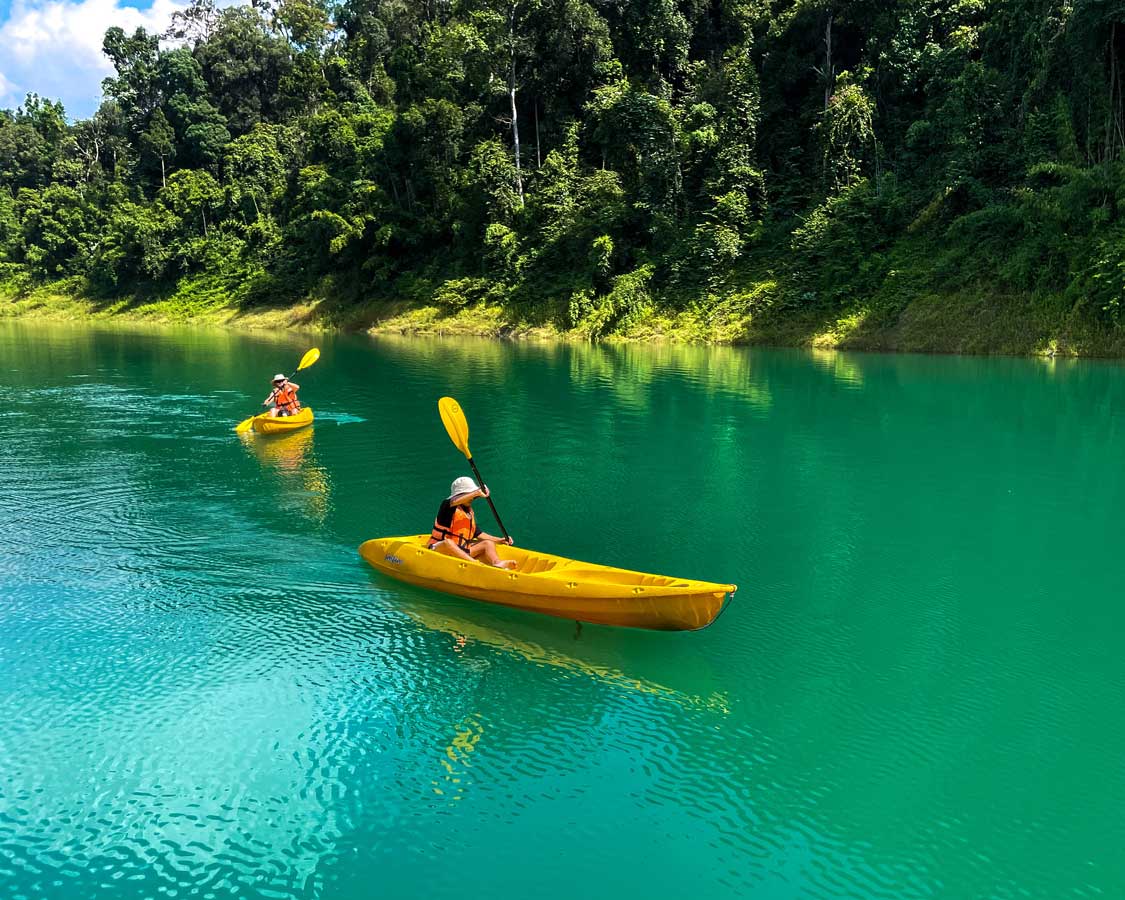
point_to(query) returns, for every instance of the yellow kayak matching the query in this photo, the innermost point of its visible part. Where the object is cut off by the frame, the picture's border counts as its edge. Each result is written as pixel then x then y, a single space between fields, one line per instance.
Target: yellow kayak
pixel 265 424
pixel 554 585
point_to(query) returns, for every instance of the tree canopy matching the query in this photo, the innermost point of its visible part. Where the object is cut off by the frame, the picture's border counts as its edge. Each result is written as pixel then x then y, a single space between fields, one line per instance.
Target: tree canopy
pixel 588 158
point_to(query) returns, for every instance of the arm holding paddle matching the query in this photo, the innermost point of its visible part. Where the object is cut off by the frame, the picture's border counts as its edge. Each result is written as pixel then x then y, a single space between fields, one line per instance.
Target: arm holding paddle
pixel 464 538
pixel 273 393
pixel 456 533
pixel 484 536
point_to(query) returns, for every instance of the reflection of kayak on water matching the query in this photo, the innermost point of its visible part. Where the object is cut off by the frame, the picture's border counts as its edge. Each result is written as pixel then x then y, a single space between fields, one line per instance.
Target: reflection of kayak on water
pixel 456 760
pixel 462 629
pixel 292 459
pixel 285 452
pixel 455 776
pixel 554 585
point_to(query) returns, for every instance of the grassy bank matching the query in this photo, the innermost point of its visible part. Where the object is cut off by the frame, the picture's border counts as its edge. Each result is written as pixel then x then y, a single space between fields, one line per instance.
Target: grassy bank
pixel 972 322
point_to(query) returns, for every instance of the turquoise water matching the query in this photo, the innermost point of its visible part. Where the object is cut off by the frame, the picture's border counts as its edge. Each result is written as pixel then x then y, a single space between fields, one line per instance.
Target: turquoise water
pixel 916 692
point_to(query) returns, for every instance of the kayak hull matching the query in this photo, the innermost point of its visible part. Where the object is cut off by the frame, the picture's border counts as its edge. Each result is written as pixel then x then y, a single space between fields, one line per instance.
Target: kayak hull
pixel 265 424
pixel 554 585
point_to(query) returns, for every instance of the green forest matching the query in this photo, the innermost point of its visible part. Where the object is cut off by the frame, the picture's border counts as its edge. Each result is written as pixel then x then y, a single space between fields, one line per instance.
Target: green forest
pixel 594 164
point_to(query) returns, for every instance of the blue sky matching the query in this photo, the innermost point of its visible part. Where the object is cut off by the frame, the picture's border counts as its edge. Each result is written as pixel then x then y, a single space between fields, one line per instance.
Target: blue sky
pixel 53 47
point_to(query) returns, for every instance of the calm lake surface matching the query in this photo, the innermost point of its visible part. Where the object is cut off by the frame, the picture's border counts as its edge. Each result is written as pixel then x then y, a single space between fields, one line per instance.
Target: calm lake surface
pixel 918 691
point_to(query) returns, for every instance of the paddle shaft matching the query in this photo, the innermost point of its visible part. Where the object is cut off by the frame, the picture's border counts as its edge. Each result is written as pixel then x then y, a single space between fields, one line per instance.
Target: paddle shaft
pixel 491 505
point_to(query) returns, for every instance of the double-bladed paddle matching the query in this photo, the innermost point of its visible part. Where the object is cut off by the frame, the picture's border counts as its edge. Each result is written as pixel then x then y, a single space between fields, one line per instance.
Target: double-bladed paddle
pixel 458 429
pixel 307 360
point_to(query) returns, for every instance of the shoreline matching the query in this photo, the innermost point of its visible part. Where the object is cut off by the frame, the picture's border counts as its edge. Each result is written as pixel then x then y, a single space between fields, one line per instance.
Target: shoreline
pixel 953 324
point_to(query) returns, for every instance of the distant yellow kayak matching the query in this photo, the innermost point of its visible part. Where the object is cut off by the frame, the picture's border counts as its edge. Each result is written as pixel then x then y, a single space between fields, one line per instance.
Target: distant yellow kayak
pixel 266 424
pixel 554 585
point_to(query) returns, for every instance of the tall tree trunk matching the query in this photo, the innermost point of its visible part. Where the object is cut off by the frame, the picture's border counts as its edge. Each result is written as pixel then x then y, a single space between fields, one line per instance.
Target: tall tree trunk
pixel 829 72
pixel 163 180
pixel 512 97
pixel 878 167
pixel 1115 108
pixel 1110 134
pixel 91 160
pixel 538 156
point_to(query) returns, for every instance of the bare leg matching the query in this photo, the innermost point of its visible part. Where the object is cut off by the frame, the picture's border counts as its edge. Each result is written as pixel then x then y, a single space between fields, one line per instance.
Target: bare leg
pixel 481 548
pixel 273 412
pixel 487 549
pixel 451 548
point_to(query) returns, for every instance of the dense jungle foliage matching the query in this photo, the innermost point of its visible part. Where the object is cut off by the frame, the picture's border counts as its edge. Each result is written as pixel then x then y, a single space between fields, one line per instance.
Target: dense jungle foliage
pixel 587 161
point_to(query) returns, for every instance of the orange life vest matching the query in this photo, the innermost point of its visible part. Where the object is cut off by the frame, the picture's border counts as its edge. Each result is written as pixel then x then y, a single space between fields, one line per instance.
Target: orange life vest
pixel 286 400
pixel 462 528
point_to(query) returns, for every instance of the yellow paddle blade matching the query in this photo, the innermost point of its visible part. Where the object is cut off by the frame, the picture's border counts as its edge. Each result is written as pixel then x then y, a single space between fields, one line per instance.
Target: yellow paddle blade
pixel 455 424
pixel 308 359
pixel 244 425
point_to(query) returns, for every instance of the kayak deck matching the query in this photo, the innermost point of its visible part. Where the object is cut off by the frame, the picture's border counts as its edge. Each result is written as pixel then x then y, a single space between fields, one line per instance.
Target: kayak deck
pixel 267 424
pixel 554 585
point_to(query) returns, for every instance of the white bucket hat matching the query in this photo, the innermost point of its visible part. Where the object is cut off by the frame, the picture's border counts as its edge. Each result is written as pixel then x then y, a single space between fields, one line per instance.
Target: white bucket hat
pixel 278 378
pixel 461 486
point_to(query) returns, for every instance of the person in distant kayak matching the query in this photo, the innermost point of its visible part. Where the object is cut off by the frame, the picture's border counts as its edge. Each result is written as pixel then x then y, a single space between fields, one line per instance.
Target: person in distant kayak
pixel 283 397
pixel 455 528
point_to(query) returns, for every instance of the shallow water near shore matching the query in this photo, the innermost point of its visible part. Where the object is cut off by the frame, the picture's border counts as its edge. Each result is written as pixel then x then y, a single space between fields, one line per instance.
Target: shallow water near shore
pixel 916 692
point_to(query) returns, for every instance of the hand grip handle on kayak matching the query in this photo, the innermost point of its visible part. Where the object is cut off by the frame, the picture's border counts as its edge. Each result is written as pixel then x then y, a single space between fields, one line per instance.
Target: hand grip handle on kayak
pixel 457 427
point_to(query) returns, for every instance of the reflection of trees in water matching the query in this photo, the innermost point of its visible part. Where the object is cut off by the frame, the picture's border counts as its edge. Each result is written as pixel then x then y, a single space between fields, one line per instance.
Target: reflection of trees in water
pixel 464 363
pixel 292 459
pixel 203 358
pixel 630 370
pixel 843 366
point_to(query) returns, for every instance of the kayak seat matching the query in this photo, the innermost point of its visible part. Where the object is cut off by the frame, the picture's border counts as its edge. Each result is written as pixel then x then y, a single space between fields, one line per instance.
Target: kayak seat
pixel 536 565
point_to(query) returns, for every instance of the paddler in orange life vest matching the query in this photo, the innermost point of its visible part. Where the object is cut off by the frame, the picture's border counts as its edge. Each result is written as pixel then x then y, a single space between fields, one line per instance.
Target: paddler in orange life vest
pixel 455 528
pixel 283 397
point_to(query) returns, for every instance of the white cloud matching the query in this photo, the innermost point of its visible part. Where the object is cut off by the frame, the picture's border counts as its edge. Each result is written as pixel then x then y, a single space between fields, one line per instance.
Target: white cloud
pixel 54 48
pixel 6 87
